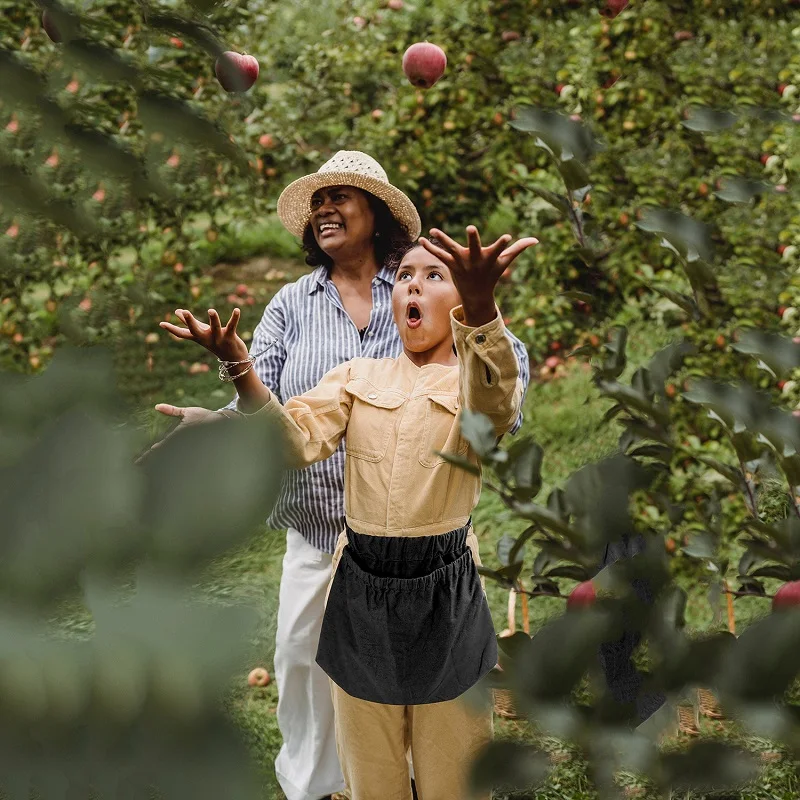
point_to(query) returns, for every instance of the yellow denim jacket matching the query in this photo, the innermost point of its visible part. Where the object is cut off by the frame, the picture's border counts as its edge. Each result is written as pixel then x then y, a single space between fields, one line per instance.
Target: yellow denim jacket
pixel 394 416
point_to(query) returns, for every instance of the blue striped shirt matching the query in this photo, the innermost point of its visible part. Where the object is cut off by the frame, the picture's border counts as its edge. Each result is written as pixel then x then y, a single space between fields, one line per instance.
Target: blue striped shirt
pixel 315 334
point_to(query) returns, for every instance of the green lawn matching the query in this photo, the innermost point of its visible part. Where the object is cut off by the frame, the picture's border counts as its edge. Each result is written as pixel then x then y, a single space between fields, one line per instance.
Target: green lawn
pixel 557 414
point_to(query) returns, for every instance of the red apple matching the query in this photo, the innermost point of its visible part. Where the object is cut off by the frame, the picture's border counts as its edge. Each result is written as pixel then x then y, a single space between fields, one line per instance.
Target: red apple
pixel 781 248
pixel 510 36
pixel 582 596
pixel 258 677
pixel 395 5
pixel 788 596
pixel 423 64
pixel 50 27
pixel 266 141
pixel 682 36
pixel 782 88
pixel 764 158
pixel 236 72
pixel 614 7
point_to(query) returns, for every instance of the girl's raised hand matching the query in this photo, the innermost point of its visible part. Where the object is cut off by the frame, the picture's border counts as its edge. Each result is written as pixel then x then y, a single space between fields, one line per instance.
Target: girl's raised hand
pixel 476 269
pixel 223 341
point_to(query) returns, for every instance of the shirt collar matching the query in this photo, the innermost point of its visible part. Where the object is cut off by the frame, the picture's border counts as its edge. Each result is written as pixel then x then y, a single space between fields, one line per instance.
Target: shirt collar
pixel 321 275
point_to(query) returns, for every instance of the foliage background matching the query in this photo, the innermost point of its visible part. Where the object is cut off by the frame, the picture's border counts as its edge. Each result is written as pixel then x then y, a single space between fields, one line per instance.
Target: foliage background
pixel 331 80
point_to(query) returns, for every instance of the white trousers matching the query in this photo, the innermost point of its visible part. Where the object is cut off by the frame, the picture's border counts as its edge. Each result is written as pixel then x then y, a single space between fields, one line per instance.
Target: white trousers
pixel 307 766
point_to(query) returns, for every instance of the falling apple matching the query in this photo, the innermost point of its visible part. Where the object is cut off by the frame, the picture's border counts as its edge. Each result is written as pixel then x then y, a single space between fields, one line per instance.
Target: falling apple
pixel 236 72
pixel 50 27
pixel 423 64
pixel 258 677
pixel 582 596
pixel 788 596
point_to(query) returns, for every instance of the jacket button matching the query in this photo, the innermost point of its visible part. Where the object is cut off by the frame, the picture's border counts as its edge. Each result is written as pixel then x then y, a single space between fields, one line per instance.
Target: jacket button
pixel 372 396
pixel 480 338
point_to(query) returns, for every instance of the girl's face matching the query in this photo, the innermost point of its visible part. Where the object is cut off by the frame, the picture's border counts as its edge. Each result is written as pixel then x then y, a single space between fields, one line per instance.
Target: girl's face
pixel 342 221
pixel 423 295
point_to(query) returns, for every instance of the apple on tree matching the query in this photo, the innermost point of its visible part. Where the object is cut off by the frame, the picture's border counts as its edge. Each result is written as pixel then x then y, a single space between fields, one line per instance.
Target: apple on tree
pixel 236 72
pixel 788 596
pixel 423 64
pixel 582 596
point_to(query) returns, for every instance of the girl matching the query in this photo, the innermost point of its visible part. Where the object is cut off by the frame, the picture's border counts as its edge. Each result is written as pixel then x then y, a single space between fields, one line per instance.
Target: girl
pixel 407 628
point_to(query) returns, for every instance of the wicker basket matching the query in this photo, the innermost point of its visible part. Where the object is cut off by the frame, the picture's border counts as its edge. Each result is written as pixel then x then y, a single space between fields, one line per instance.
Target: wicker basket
pixel 708 705
pixel 503 699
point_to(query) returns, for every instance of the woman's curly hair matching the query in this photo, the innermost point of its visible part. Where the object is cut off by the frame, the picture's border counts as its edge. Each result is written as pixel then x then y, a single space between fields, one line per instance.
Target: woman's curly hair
pixel 391 237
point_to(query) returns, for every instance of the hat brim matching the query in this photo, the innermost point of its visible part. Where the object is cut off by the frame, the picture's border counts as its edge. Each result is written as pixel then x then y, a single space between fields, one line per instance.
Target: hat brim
pixel 294 204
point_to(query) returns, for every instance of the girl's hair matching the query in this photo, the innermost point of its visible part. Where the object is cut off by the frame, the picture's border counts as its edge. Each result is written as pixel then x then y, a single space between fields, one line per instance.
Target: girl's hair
pixel 391 236
pixel 399 254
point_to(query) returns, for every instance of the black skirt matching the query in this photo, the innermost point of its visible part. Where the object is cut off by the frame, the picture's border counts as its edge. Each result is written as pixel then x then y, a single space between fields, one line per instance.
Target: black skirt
pixel 407 621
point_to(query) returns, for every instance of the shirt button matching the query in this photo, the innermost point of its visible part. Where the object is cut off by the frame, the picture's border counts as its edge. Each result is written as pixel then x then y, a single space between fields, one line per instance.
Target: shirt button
pixel 371 333
pixel 372 396
pixel 480 338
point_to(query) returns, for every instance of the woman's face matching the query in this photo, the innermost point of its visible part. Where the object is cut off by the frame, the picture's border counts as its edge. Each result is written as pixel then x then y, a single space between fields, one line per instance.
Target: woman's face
pixel 342 221
pixel 422 297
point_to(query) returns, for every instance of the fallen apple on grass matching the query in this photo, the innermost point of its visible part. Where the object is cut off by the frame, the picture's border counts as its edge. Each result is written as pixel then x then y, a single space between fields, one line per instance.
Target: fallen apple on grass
pixel 423 64
pixel 236 72
pixel 258 677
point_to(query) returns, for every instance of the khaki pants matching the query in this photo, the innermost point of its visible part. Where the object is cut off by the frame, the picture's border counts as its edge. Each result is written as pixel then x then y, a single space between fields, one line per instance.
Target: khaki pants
pixel 373 738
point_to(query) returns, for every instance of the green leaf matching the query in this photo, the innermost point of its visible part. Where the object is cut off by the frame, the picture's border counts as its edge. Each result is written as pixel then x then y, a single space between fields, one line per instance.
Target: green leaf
pixel 574 174
pixel 733 474
pixel 514 555
pixel 508 765
pixel 689 238
pixel 572 571
pixel 460 462
pixel 708 120
pixel 741 190
pixel 660 451
pixel 525 465
pixel 778 571
pixel 515 645
pixel 563 137
pixel 701 546
pixel 503 549
pixel 683 301
pixel 559 202
pixel 709 766
pixel 780 353
pixel 185 518
pixel 479 431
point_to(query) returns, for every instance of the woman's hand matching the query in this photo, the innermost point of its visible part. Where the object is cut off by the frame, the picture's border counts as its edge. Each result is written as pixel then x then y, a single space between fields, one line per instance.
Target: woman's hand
pixel 188 416
pixel 476 269
pixel 224 342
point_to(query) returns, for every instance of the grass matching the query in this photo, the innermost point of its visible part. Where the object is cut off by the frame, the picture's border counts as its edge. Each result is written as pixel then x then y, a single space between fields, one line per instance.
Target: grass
pixel 564 416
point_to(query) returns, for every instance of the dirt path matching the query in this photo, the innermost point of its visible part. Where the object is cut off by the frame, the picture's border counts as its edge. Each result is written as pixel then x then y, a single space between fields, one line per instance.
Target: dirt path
pixel 263 275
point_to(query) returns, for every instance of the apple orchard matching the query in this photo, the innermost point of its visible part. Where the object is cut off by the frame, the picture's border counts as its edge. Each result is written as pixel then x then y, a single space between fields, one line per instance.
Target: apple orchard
pixel 651 146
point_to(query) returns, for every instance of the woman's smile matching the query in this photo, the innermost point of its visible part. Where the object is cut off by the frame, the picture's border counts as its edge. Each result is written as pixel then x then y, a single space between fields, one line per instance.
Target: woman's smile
pixel 329 229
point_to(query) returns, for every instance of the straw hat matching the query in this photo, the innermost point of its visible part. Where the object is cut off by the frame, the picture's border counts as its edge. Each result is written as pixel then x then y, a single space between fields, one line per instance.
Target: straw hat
pixel 346 168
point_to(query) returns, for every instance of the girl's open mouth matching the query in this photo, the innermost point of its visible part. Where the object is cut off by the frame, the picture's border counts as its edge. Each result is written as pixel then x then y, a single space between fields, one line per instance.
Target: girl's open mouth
pixel 413 316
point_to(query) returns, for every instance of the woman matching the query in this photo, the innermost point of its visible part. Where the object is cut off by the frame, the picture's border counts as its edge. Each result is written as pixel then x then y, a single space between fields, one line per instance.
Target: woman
pixel 351 219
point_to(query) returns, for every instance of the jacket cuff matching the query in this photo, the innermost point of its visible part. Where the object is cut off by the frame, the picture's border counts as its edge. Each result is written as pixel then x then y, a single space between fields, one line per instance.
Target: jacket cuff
pixel 478 339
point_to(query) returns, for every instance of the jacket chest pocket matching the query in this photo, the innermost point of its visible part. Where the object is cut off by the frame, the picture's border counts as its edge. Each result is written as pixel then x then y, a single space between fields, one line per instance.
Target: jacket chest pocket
pixel 372 420
pixel 441 431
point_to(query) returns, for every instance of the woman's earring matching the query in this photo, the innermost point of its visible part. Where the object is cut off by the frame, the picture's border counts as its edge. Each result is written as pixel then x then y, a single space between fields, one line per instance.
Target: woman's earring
pixel 377 234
